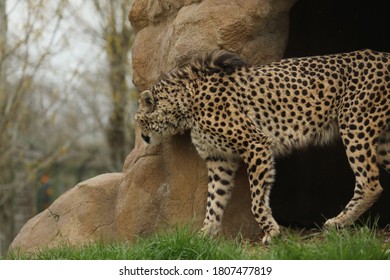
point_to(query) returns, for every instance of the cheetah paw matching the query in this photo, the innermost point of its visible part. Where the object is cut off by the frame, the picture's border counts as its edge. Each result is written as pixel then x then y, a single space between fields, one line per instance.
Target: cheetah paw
pixel 270 235
pixel 210 229
pixel 334 223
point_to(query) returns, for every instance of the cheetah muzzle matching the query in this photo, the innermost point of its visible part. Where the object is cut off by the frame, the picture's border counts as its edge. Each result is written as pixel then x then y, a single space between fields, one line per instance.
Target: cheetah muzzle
pixel 242 113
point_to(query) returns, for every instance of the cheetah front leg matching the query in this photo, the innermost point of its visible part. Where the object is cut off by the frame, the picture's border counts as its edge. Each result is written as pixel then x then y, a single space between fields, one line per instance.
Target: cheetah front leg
pixel 220 175
pixel 260 167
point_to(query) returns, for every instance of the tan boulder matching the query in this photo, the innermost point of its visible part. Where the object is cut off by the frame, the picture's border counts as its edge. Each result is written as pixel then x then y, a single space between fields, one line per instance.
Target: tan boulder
pixel 169 34
pixel 166 185
pixel 84 213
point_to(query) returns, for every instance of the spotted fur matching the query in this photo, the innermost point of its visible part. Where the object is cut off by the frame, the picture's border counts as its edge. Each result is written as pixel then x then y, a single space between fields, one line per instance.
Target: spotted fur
pixel 238 112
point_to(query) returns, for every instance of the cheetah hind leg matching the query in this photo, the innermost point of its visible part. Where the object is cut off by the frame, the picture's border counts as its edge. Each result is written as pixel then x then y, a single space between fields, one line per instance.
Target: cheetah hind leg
pixel 384 149
pixel 367 186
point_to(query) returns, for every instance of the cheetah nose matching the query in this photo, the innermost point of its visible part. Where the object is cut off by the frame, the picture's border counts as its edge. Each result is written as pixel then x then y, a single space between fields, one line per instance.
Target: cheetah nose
pixel 146 138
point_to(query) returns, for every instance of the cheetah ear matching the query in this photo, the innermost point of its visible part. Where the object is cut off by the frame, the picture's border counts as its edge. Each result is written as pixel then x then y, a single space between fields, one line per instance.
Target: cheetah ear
pixel 147 100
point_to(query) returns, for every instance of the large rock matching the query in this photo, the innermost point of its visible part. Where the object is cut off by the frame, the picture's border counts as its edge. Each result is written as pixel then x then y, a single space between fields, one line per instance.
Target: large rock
pixel 169 33
pixel 166 185
pixel 83 214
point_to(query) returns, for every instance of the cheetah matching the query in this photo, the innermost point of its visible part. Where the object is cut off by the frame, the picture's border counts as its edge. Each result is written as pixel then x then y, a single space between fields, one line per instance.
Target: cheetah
pixel 237 112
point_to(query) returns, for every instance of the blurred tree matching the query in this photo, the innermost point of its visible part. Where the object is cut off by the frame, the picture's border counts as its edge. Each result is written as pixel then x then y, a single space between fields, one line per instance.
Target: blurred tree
pixel 22 57
pixel 56 113
pixel 5 193
pixel 118 40
pixel 116 37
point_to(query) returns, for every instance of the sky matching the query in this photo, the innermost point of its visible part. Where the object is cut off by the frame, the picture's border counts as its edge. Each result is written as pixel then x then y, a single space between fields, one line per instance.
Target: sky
pixel 69 42
pixel 75 68
pixel 74 64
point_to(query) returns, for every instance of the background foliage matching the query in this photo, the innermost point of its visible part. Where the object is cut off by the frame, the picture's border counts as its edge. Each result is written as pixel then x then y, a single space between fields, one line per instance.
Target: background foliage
pixel 66 98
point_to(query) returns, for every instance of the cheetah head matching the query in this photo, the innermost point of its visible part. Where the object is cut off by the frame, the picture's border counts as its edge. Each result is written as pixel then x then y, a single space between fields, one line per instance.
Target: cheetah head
pixel 160 115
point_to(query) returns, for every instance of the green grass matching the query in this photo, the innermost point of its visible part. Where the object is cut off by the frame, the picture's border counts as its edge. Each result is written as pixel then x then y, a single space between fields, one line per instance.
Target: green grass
pixel 359 243
pixel 356 243
pixel 184 244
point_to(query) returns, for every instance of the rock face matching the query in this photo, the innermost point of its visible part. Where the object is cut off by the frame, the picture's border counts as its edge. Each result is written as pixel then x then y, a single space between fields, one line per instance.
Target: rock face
pixel 166 185
pixel 169 33
pixel 83 214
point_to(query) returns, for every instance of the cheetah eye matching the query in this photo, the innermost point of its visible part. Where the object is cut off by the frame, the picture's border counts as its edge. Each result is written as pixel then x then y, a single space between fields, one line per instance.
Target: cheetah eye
pixel 147 100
